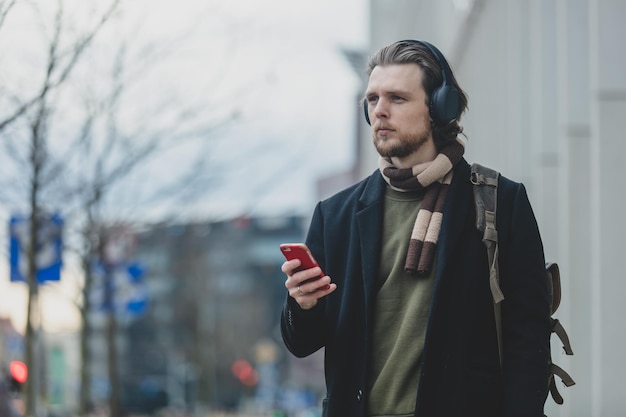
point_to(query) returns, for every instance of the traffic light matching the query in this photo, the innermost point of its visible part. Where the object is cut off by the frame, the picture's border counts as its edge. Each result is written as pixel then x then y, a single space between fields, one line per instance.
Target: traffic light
pixel 19 375
pixel 242 369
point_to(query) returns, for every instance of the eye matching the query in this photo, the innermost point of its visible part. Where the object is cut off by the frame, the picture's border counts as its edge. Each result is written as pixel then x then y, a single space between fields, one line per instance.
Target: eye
pixel 397 98
pixel 372 99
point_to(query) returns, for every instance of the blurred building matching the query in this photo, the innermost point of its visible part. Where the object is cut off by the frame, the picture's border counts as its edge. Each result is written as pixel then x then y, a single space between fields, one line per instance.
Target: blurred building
pixel 214 295
pixel 58 358
pixel 11 343
pixel 62 366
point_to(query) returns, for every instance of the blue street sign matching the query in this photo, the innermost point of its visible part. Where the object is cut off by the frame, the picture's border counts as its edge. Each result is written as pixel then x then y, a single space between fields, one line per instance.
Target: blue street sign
pixel 49 248
pixel 133 289
pixel 120 287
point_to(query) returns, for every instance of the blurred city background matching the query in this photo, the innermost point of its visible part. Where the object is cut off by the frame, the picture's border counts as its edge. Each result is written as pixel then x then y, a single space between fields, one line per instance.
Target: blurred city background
pixel 158 153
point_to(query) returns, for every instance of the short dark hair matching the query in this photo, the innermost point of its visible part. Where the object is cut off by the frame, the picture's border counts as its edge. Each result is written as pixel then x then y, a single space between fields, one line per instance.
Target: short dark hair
pixel 415 52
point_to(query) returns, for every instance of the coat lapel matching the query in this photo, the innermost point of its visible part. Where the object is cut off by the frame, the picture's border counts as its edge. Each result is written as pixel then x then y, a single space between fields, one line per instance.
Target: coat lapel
pixel 369 221
pixel 456 209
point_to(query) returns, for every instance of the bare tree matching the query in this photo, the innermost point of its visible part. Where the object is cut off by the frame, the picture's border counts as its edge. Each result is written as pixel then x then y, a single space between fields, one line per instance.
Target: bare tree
pixel 112 156
pixel 59 64
pixel 33 114
pixel 100 157
pixel 104 167
pixel 5 8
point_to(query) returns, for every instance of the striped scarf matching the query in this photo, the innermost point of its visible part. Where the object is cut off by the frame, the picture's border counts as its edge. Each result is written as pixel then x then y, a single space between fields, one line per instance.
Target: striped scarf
pixel 434 178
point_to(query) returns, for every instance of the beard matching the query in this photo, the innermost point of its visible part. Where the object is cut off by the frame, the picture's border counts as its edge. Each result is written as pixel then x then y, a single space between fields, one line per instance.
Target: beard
pixel 400 146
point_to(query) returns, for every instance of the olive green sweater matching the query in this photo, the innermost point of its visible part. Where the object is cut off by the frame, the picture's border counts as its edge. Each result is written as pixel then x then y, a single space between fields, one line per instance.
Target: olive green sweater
pixel 400 315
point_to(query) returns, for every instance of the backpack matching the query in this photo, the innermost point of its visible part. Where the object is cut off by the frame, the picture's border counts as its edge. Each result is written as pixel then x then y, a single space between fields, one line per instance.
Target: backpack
pixel 485 181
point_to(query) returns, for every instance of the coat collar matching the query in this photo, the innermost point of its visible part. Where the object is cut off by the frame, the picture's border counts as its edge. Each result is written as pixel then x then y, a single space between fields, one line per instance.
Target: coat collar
pixel 374 190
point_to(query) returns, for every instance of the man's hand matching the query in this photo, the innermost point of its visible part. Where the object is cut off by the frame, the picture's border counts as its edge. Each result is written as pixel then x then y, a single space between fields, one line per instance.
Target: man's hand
pixel 305 286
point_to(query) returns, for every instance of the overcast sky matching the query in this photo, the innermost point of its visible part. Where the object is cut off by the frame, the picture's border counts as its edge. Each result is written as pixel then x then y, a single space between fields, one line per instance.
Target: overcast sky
pixel 295 94
pixel 299 99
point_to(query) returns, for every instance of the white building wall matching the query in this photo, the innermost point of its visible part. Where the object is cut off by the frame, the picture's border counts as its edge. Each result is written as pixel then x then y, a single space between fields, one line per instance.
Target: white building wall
pixel 547 97
pixel 608 110
pixel 575 187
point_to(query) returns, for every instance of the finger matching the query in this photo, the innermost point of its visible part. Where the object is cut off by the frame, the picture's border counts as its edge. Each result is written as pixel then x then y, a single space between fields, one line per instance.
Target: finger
pixel 289 266
pixel 308 275
pixel 297 292
pixel 310 300
pixel 301 277
pixel 314 285
pixel 324 292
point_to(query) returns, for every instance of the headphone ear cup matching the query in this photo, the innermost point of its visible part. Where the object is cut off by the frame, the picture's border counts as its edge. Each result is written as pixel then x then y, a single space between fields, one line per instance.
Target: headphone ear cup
pixel 444 104
pixel 366 112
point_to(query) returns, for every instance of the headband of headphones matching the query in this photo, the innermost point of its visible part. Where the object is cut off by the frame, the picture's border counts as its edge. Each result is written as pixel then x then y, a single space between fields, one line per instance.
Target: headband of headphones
pixel 445 100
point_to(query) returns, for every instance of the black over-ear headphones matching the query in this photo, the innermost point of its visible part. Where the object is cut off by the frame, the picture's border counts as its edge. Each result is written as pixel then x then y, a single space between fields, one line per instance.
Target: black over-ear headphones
pixel 445 101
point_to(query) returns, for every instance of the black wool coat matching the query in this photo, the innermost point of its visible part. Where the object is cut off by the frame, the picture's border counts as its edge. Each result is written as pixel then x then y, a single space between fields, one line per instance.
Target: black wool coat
pixel 460 373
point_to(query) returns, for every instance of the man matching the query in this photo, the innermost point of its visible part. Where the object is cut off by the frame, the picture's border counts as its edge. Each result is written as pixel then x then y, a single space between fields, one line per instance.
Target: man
pixel 407 318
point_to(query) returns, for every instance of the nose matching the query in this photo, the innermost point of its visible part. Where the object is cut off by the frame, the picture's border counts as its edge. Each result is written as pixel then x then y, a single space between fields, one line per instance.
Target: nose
pixel 381 109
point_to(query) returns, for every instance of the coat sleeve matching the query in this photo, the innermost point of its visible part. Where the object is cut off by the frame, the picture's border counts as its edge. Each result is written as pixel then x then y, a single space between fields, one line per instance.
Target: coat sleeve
pixel 525 310
pixel 303 330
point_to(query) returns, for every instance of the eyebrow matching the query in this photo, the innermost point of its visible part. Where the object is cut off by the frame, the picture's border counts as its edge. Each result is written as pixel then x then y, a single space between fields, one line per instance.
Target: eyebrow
pixel 396 92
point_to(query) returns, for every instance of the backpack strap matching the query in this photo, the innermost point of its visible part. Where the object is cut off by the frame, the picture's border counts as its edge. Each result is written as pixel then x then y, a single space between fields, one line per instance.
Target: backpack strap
pixel 565 378
pixel 485 182
pixel 558 328
pixel 554 283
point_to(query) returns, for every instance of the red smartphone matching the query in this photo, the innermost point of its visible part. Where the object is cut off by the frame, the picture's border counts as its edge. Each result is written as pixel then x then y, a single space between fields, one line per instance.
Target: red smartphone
pixel 302 252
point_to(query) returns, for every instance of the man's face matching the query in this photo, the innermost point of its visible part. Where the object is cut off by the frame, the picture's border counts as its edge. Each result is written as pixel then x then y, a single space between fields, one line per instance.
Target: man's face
pixel 398 110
